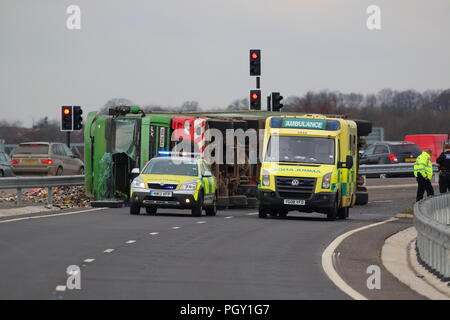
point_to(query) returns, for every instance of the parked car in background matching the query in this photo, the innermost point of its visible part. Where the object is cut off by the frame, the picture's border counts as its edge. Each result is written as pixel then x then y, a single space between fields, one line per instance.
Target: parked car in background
pixel 389 152
pixel 45 158
pixel 5 165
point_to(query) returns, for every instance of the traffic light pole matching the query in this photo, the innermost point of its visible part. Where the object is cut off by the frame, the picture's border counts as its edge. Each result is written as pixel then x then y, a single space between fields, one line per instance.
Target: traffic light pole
pixel 258 82
pixel 269 104
pixel 68 139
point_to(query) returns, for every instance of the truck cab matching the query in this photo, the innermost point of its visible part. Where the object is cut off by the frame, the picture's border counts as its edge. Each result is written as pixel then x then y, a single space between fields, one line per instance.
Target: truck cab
pixel 309 164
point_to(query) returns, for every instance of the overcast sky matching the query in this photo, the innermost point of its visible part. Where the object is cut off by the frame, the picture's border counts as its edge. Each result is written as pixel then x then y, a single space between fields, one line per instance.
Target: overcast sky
pixel 169 51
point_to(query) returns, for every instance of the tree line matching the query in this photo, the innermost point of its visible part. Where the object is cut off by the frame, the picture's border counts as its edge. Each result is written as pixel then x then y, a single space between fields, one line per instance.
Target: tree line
pixel 398 112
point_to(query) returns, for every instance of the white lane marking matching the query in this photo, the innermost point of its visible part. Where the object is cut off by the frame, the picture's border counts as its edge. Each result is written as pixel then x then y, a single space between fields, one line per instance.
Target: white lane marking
pixel 130 241
pixel 252 213
pixel 60 288
pixel 89 260
pixel 200 222
pixel 52 215
pixel 327 261
pixel 382 201
pixel 230 217
pixel 153 233
pixel 108 250
pixel 175 228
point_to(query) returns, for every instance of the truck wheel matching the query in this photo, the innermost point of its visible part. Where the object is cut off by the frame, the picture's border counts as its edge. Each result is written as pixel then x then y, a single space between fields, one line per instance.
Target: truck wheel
pixel 212 211
pixel 151 210
pixel 333 212
pixel 262 212
pixel 343 213
pixel 198 207
pixel 135 208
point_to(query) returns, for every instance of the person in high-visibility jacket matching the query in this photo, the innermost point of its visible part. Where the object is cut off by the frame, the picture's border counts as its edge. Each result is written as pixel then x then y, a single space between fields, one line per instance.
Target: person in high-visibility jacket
pixel 423 171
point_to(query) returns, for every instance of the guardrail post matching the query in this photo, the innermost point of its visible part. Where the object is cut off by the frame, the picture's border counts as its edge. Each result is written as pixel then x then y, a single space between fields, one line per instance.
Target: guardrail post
pixel 49 196
pixel 19 197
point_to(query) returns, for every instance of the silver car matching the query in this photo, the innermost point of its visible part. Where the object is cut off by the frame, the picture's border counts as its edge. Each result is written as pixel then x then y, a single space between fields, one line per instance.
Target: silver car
pixel 45 158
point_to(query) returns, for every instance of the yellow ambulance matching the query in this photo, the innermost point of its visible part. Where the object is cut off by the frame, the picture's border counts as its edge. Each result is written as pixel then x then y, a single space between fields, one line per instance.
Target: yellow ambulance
pixel 309 164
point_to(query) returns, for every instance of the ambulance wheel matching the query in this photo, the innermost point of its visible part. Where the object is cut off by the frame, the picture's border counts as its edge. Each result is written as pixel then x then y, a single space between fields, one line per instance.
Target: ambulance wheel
pixel 151 210
pixel 262 212
pixel 343 213
pixel 333 212
pixel 282 213
pixel 135 208
pixel 198 207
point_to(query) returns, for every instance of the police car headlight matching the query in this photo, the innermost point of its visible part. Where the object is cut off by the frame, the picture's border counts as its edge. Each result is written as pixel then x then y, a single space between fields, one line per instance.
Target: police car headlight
pixel 265 179
pixel 190 186
pixel 138 183
pixel 326 181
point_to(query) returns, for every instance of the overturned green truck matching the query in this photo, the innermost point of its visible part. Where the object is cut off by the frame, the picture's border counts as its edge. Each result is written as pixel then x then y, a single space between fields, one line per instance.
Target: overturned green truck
pixel 127 138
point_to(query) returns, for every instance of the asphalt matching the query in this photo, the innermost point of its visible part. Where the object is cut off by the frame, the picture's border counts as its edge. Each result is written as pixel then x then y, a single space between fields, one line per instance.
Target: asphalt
pixel 242 257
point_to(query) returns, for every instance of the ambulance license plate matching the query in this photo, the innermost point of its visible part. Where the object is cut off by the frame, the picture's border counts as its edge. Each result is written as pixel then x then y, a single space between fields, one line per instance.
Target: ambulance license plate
pixel 161 193
pixel 294 202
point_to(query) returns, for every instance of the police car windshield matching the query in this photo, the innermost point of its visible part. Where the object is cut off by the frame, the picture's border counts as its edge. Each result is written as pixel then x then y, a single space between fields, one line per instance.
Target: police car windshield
pixel 300 149
pixel 179 167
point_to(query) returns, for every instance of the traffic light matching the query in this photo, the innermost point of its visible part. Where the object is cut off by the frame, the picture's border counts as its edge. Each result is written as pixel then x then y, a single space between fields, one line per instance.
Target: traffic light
pixel 276 101
pixel 255 62
pixel 77 118
pixel 255 99
pixel 66 118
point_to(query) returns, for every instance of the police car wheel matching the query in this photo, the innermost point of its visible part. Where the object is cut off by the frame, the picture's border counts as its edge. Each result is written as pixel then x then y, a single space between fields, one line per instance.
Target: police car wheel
pixel 135 208
pixel 212 211
pixel 198 207
pixel 151 210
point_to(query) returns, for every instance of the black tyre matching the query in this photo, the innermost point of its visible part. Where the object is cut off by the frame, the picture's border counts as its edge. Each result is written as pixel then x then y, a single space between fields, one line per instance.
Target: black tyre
pixel 262 212
pixel 59 171
pixel 151 210
pixel 362 198
pixel 283 213
pixel 2 174
pixel 198 207
pixel 212 211
pixel 333 212
pixel 343 213
pixel 135 208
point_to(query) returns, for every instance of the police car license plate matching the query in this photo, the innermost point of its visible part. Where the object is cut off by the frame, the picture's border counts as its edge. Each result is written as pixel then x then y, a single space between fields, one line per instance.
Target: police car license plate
pixel 294 202
pixel 161 193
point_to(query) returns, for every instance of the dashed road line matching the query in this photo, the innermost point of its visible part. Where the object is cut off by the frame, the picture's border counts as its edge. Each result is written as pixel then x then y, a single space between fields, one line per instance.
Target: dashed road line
pixel 175 228
pixel 230 217
pixel 60 288
pixel 108 250
pixel 252 213
pixel 153 233
pixel 200 222
pixel 89 260
pixel 130 241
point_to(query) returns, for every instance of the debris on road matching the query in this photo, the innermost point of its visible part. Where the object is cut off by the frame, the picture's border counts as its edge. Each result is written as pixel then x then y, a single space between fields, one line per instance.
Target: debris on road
pixel 63 197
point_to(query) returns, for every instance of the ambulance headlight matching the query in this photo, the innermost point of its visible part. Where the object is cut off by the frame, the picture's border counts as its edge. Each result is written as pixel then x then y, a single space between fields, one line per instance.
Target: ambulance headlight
pixel 326 181
pixel 189 186
pixel 138 183
pixel 265 179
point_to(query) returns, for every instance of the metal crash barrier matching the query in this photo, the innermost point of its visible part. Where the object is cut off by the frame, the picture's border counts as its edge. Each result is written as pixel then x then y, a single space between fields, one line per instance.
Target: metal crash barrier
pixel 49 182
pixel 366 169
pixel 432 222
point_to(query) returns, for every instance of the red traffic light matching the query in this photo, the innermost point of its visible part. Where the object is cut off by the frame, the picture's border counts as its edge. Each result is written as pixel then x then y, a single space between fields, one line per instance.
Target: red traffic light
pixel 254 55
pixel 255 96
